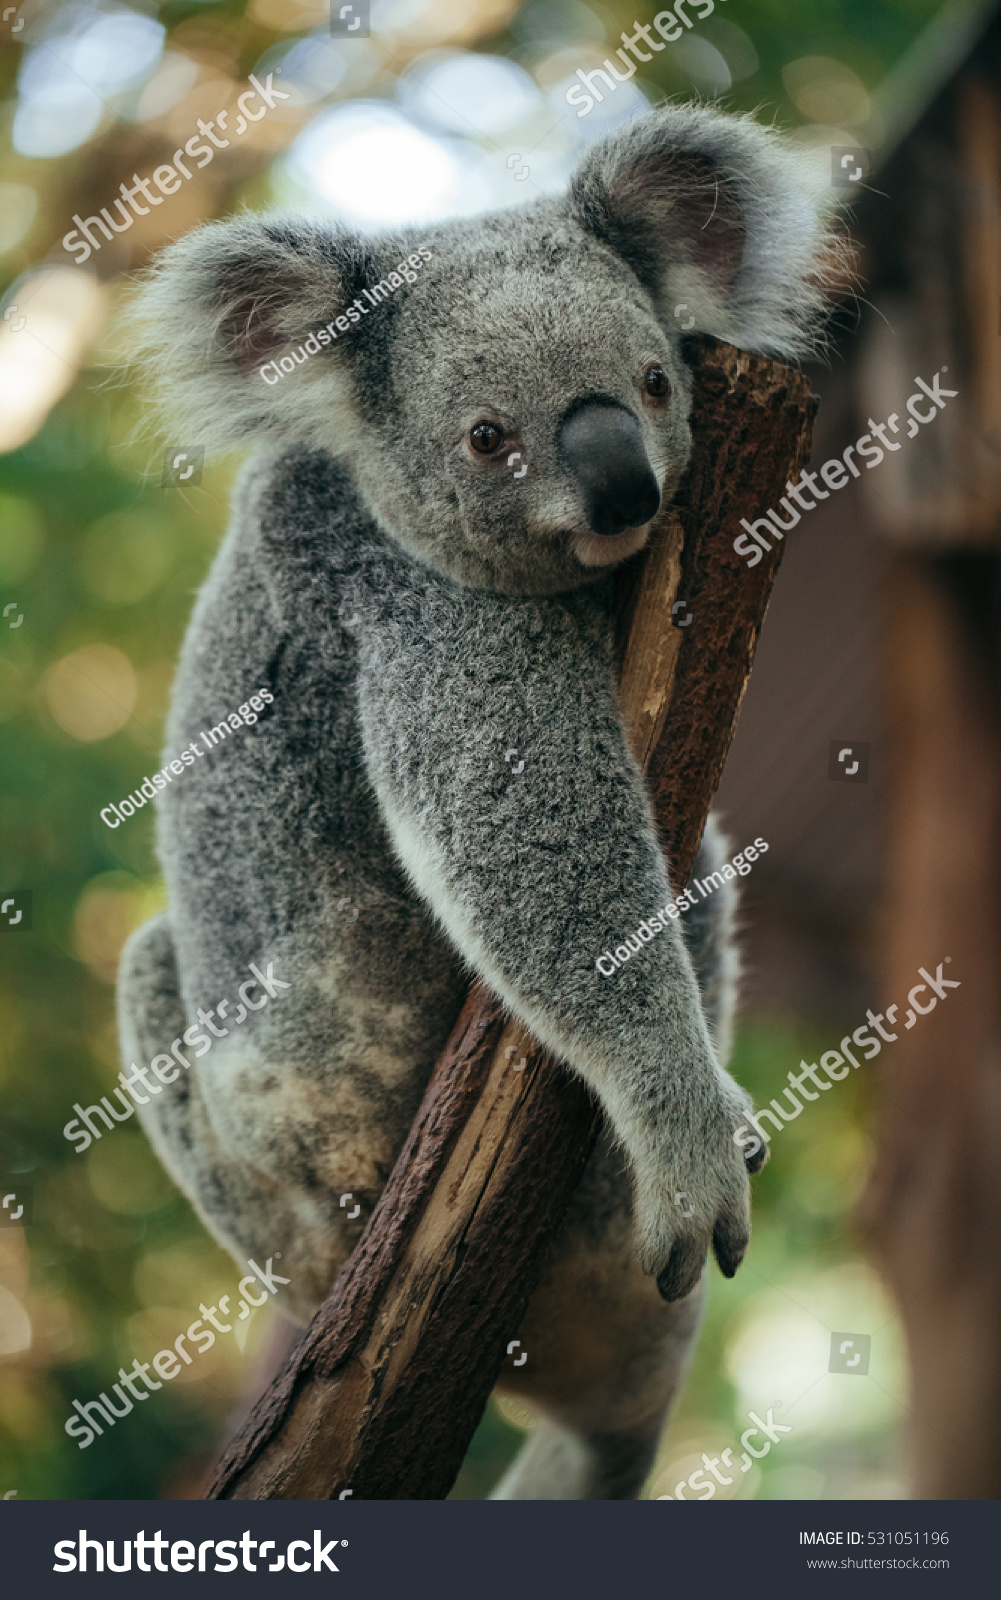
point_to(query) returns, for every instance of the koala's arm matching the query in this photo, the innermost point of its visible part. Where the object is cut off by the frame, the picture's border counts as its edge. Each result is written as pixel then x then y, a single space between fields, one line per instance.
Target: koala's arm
pixel 494 742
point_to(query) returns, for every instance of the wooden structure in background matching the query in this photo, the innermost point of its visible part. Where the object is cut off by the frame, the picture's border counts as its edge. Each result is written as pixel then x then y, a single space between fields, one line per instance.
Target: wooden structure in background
pixel 933 1210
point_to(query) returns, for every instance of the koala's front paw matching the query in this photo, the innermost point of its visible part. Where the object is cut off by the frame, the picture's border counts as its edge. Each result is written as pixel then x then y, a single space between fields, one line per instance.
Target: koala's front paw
pixel 696 1194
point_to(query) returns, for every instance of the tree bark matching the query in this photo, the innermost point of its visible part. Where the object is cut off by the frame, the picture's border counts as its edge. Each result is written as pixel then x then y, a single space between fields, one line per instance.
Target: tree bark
pixel 380 1398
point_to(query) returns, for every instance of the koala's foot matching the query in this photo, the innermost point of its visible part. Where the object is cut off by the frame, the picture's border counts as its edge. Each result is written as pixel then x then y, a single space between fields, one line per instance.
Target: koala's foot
pixel 695 1195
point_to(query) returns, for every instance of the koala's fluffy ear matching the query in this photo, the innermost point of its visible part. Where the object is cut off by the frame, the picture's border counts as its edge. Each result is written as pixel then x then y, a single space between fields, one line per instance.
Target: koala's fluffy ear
pixel 231 296
pixel 720 214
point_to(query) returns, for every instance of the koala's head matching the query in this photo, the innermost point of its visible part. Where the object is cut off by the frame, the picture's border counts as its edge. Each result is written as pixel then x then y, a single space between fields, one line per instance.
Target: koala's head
pixel 514 407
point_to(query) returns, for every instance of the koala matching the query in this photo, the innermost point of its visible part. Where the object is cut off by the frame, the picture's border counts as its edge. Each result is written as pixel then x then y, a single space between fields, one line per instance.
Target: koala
pixel 419 614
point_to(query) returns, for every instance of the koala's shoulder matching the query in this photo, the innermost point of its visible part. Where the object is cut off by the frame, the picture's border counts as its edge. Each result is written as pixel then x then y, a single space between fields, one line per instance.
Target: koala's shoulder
pixel 300 498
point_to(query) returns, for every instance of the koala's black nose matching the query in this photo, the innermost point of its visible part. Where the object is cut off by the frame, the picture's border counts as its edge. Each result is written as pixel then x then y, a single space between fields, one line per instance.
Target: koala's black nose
pixel 602 445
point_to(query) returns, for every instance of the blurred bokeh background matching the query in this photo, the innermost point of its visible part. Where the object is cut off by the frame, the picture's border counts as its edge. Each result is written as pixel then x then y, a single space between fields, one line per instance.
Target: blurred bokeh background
pixel 445 107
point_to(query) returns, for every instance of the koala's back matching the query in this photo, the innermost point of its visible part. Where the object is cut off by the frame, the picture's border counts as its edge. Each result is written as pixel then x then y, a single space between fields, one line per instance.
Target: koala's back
pixel 273 846
pixel 255 835
pixel 274 852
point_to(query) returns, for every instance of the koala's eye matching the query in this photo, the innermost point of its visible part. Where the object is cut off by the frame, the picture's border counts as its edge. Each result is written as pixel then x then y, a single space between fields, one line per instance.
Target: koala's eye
pixel 656 382
pixel 486 438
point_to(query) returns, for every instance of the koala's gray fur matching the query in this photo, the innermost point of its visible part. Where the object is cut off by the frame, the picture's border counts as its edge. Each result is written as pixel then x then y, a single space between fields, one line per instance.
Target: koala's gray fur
pixel 418 613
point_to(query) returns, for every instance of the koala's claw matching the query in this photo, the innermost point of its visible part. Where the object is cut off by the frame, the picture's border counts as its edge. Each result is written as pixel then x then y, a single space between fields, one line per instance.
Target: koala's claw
pixel 683 1270
pixel 687 1260
pixel 755 1162
pixel 730 1240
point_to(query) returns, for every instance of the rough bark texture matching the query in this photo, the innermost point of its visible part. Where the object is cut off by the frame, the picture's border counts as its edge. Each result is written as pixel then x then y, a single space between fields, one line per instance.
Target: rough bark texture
pixel 383 1393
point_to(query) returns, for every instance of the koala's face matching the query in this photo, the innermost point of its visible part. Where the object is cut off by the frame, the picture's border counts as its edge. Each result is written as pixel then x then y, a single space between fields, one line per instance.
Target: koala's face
pixel 515 413
pixel 532 415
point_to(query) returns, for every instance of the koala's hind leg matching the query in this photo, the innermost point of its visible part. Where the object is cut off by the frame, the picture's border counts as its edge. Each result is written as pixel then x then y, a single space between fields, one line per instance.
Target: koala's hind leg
pixel 605 1354
pixel 176 1120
